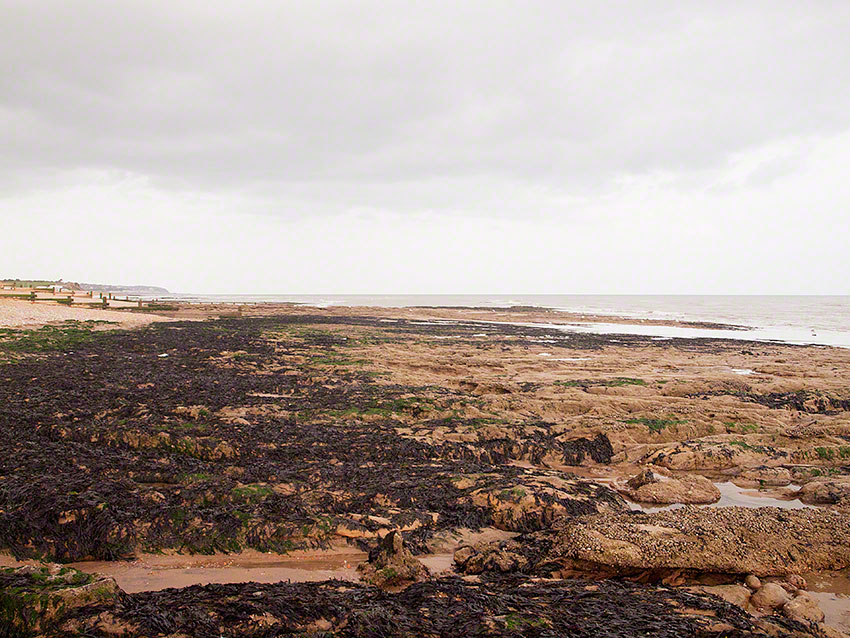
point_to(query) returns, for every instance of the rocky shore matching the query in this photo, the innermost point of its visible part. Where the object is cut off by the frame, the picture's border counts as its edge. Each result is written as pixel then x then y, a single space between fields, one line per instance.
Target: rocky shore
pixel 402 437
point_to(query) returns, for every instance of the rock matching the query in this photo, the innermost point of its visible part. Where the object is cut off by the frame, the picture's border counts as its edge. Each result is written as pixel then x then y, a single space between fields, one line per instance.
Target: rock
pixel 763 475
pixel 534 502
pixel 752 581
pixel 494 556
pixel 45 596
pixel 192 411
pixel 463 554
pixel 639 480
pixel 735 594
pixel 826 631
pixel 826 492
pixel 797 581
pixel 391 563
pixel 687 489
pixel 803 607
pixel 770 596
pixel 765 541
pixel 584 451
pixel 698 455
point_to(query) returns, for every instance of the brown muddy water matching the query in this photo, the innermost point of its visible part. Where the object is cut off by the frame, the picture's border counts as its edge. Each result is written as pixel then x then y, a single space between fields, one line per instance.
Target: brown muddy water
pixel 153 572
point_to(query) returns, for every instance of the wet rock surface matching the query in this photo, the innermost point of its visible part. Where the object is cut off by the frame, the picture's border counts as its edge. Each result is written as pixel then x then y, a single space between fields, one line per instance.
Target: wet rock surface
pixel 827 492
pixel 648 487
pixel 39 599
pixel 764 476
pixel 733 540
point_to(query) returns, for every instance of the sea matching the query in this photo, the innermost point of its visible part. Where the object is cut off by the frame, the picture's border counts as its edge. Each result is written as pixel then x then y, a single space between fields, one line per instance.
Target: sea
pixel 802 319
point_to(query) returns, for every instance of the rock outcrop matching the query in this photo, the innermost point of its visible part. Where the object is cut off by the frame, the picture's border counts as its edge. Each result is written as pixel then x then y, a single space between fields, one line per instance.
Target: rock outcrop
pixel 35 600
pixel 715 456
pixel 732 540
pixel 391 564
pixel 827 492
pixel 649 487
pixel 763 476
pixel 539 498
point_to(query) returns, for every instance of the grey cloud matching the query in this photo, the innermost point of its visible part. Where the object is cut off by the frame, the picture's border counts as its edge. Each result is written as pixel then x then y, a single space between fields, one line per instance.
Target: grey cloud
pixel 388 102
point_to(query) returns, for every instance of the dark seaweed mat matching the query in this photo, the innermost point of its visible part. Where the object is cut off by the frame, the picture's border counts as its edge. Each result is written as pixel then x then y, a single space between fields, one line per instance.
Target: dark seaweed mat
pixel 810 401
pixel 823 404
pixel 58 411
pixel 450 607
pixel 523 335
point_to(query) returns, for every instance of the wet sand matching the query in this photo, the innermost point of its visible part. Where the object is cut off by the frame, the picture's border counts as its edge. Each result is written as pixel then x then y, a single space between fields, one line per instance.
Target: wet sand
pixel 153 572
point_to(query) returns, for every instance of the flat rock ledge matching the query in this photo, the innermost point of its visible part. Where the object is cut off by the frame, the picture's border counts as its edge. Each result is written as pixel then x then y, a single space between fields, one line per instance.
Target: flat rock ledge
pixel 739 541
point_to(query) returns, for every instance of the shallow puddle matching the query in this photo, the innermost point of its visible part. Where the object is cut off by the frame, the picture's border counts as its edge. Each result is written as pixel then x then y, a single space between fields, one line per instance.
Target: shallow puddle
pixel 832 591
pixel 731 496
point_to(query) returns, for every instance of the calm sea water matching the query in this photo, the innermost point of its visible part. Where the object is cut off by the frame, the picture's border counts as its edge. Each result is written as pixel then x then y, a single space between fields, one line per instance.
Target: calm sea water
pixel 798 319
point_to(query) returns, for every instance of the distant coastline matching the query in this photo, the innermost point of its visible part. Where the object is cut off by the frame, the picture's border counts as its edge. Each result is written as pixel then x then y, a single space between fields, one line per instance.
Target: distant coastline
pixel 122 289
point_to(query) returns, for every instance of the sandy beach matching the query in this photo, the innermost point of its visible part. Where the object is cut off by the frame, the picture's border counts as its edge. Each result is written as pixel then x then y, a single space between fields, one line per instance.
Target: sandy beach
pixel 25 314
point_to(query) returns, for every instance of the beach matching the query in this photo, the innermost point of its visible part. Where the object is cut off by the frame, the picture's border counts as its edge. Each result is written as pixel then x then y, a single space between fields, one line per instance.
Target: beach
pixel 25 314
pixel 417 455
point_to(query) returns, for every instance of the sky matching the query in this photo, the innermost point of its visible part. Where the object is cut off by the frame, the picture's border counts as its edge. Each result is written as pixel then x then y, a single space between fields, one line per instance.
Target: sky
pixel 298 147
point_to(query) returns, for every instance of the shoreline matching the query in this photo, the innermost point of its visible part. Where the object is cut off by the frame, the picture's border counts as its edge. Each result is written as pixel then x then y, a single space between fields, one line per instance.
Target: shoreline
pixel 22 314
pixel 266 436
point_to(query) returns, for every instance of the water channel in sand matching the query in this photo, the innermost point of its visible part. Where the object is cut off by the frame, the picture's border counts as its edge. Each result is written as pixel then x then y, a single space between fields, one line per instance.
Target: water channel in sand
pixel 152 572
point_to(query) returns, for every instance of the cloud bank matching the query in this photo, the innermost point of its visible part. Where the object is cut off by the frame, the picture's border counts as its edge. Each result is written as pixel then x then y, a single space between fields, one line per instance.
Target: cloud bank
pixel 431 147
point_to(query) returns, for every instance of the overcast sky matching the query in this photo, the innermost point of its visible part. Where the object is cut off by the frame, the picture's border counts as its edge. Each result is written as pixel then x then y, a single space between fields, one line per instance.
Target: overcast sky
pixel 428 147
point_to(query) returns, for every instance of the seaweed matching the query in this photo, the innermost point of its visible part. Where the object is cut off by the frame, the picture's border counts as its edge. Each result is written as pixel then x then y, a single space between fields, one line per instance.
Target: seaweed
pixel 450 606
pixel 104 455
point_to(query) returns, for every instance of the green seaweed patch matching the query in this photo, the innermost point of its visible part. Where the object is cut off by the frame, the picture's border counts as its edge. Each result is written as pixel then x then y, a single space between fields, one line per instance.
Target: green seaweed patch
pixel 621 381
pixel 655 425
pixel 733 427
pixel 515 622
pixel 479 422
pixel 193 477
pixel 251 493
pixel 826 471
pixel 833 453
pixel 48 338
pixel 513 494
pixel 750 447
pixel 159 306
